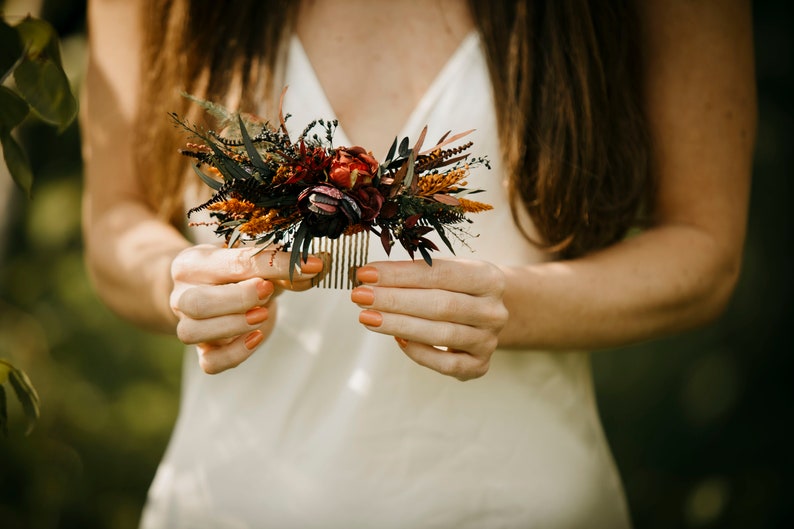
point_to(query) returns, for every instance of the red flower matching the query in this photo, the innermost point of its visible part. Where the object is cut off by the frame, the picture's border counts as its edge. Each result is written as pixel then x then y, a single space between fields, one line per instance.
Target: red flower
pixel 352 167
pixel 309 168
pixel 369 200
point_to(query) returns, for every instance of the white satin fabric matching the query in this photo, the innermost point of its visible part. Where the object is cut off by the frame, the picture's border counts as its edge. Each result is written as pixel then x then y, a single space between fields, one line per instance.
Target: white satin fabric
pixel 330 426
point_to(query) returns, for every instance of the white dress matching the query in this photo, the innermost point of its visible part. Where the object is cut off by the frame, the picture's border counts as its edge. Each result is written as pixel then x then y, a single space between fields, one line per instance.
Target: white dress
pixel 329 425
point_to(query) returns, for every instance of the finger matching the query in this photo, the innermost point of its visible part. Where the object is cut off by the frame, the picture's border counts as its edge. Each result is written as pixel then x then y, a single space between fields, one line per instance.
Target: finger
pixel 431 304
pixel 471 277
pixel 453 335
pixel 191 331
pixel 453 363
pixel 215 358
pixel 210 264
pixel 206 301
pixel 295 286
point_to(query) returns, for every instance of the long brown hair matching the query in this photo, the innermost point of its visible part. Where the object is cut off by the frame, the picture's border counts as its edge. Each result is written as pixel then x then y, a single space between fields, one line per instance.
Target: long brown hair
pixel 566 81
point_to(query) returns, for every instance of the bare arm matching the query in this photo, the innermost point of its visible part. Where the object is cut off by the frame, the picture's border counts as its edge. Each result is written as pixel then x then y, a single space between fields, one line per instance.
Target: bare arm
pixel 128 250
pixel 143 268
pixel 700 102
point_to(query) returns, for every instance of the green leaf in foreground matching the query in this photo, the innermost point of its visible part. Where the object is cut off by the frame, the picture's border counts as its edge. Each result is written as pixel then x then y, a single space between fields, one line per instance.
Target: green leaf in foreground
pixel 13 109
pixel 40 39
pixel 10 48
pixel 24 391
pixel 17 162
pixel 44 85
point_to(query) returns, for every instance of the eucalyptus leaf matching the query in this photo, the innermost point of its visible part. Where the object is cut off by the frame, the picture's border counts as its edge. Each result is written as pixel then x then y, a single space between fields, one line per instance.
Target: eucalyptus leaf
pixel 426 256
pixel 253 154
pixel 40 39
pixel 10 49
pixel 17 162
pixel 236 234
pixel 27 396
pixel 409 175
pixel 297 242
pixel 214 184
pixel 5 370
pixel 403 149
pixel 440 231
pixel 44 85
pixel 13 109
pixel 228 167
pixel 392 150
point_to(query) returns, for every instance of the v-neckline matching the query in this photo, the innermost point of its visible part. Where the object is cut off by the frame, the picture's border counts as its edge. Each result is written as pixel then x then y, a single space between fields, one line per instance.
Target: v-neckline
pixel 409 125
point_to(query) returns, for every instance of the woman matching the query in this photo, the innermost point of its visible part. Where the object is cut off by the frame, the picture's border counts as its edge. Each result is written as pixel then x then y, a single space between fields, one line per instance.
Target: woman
pixel 597 115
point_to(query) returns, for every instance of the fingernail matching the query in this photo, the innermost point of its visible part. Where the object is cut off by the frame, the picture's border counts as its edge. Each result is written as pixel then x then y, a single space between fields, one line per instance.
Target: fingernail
pixel 253 339
pixel 264 289
pixel 362 296
pixel 367 274
pixel 402 342
pixel 256 315
pixel 312 265
pixel 371 318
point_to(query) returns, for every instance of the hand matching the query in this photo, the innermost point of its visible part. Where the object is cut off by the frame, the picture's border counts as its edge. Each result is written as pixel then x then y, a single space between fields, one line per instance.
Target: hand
pixel 446 317
pixel 225 299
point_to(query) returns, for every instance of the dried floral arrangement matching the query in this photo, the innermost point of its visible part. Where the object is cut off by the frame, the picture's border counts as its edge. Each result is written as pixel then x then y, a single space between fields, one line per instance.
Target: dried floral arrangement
pixel 273 191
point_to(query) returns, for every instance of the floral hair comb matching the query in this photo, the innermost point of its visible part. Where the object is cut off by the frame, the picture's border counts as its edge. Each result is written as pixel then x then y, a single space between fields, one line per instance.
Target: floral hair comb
pixel 307 195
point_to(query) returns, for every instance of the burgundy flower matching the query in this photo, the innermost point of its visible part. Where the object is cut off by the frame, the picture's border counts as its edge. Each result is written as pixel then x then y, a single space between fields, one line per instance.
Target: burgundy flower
pixel 309 168
pixel 369 200
pixel 327 210
pixel 352 167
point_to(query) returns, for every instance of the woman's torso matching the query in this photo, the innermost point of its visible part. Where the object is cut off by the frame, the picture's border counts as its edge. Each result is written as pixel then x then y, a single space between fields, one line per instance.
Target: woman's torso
pixel 329 425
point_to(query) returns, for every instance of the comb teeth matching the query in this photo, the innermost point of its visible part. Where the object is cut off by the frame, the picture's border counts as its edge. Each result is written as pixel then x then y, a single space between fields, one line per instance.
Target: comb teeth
pixel 341 258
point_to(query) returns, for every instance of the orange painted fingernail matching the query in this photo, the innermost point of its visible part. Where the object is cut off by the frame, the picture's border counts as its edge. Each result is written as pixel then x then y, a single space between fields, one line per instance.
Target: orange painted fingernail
pixel 402 342
pixel 362 296
pixel 253 339
pixel 313 265
pixel 256 315
pixel 264 289
pixel 367 274
pixel 371 318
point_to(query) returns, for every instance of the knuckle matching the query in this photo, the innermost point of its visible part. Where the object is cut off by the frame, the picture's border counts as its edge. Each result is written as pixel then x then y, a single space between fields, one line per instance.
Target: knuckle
pixel 208 366
pixel 496 280
pixel 186 332
pixel 239 266
pixel 447 306
pixel 499 316
pixel 446 335
pixel 189 303
pixel 479 370
pixel 453 366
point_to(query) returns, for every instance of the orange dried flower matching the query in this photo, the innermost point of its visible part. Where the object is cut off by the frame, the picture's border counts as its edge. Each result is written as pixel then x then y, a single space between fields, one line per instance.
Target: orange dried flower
pixel 472 206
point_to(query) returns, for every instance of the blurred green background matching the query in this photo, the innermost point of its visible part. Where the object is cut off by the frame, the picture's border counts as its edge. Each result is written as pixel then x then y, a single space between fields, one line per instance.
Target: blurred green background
pixel 699 423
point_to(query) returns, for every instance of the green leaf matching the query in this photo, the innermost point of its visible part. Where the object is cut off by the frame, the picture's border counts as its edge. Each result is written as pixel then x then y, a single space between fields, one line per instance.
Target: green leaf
pixel 17 162
pixel 5 369
pixel 44 85
pixel 3 411
pixel 27 396
pixel 297 245
pixel 10 49
pixel 39 39
pixel 253 154
pixel 426 256
pixel 214 184
pixel 236 234
pixel 409 176
pixel 13 109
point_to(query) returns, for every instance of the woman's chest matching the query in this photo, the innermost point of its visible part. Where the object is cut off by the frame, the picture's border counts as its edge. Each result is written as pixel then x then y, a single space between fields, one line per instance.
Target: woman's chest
pixel 376 60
